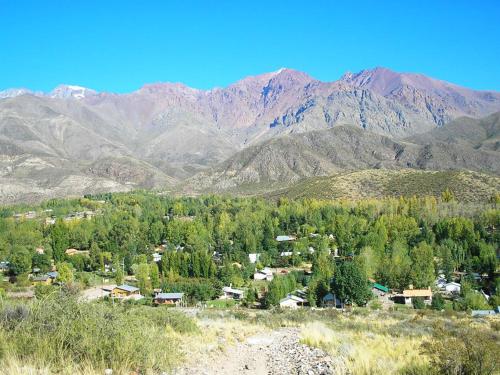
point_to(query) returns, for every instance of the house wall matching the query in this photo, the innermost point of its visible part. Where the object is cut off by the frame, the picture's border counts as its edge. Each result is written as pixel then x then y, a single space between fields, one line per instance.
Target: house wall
pixel 289 304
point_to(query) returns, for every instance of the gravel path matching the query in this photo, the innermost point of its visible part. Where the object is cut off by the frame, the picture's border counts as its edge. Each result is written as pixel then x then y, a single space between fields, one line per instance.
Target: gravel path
pixel 273 353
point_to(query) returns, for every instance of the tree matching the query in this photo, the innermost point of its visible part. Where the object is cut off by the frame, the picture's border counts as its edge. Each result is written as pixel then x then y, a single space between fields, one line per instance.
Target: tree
pixel 142 276
pixel 41 261
pixel 119 275
pixel 447 262
pixel 350 284
pixel 59 237
pixel 487 259
pixel 422 268
pixel 394 270
pixel 64 273
pixel 20 260
pixel 154 275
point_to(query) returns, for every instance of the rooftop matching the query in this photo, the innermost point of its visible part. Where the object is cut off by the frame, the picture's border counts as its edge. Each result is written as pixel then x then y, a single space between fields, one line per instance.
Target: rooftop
pixel 127 288
pixel 417 293
pixel 380 287
pixel 169 295
pixel 228 289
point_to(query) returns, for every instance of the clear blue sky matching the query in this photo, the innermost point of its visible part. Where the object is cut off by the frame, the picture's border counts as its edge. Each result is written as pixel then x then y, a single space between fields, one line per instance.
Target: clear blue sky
pixel 118 45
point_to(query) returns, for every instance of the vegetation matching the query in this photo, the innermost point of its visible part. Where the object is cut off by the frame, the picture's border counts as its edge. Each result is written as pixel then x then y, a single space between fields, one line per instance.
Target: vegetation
pixel 378 183
pixel 60 334
pixel 204 244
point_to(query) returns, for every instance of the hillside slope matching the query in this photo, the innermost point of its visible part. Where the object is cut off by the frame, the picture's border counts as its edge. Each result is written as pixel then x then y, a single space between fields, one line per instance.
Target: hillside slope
pixel 466 186
pixel 464 144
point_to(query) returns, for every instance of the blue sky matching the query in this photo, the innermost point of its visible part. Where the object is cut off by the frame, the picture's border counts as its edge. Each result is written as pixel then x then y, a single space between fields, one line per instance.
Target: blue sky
pixel 118 45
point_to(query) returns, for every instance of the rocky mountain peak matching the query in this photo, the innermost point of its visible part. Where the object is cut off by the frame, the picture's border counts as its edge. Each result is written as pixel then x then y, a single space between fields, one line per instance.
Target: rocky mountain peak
pixel 71 91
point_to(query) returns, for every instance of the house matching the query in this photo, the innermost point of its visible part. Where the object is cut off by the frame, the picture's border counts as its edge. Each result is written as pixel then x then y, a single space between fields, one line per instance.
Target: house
pixel 379 290
pixel 476 313
pixel 231 293
pixel 168 298
pixel 292 302
pixel 4 266
pixel 331 300
pixel 285 238
pixel 41 280
pixel 264 274
pixel 124 291
pixel 452 287
pixel 156 257
pixel 253 257
pixel 286 253
pixel 107 289
pixel 409 294
pixel 39 250
pixel 53 275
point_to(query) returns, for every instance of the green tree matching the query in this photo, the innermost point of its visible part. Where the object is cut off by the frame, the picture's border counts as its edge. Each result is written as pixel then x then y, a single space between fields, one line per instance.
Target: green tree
pixel 119 276
pixel 41 261
pixel 142 276
pixel 422 269
pixel 154 275
pixel 65 273
pixel 20 260
pixel 350 284
pixel 59 240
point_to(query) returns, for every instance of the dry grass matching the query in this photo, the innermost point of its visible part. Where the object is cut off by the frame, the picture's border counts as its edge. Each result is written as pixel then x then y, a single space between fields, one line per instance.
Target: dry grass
pixel 365 352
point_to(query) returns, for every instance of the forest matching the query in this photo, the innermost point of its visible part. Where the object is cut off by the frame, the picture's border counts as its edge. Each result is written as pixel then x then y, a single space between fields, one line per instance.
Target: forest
pixel 205 244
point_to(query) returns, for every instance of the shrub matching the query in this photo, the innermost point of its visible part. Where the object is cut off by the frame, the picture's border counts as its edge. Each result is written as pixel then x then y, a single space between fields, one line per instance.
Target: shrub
pixel 437 302
pixel 42 291
pixel 63 333
pixel 465 351
pixel 418 303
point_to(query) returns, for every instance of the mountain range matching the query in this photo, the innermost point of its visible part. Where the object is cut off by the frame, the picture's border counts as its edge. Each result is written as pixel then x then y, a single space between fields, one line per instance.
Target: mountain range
pixel 275 128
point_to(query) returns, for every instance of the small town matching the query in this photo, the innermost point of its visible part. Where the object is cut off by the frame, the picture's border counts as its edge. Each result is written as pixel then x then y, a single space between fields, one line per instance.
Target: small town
pixel 249 188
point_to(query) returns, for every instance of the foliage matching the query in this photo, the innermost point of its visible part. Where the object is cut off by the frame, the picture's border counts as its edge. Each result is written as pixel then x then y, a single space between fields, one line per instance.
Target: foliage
pixel 463 351
pixel 437 302
pixel 65 273
pixel 64 334
pixel 350 284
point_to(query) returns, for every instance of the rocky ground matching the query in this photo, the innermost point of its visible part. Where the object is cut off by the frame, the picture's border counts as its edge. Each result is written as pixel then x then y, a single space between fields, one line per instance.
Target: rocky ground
pixel 272 353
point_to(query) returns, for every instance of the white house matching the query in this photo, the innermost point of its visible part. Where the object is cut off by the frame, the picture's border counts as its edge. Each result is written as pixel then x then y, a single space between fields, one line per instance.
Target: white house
pixel 231 293
pixel 285 238
pixel 409 294
pixel 286 253
pixel 292 302
pixel 264 274
pixel 253 257
pixel 156 257
pixel 452 287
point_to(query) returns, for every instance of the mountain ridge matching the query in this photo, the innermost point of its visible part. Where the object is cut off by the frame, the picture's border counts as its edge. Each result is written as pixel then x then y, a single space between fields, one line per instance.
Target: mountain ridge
pixel 174 132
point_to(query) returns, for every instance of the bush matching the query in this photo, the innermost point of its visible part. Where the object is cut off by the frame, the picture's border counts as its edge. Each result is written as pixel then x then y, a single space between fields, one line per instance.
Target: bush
pixel 418 303
pixel 465 351
pixel 437 302
pixel 42 291
pixel 63 333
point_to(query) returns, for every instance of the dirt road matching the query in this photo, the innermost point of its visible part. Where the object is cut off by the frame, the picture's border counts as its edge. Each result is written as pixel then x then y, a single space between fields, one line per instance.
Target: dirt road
pixel 273 353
